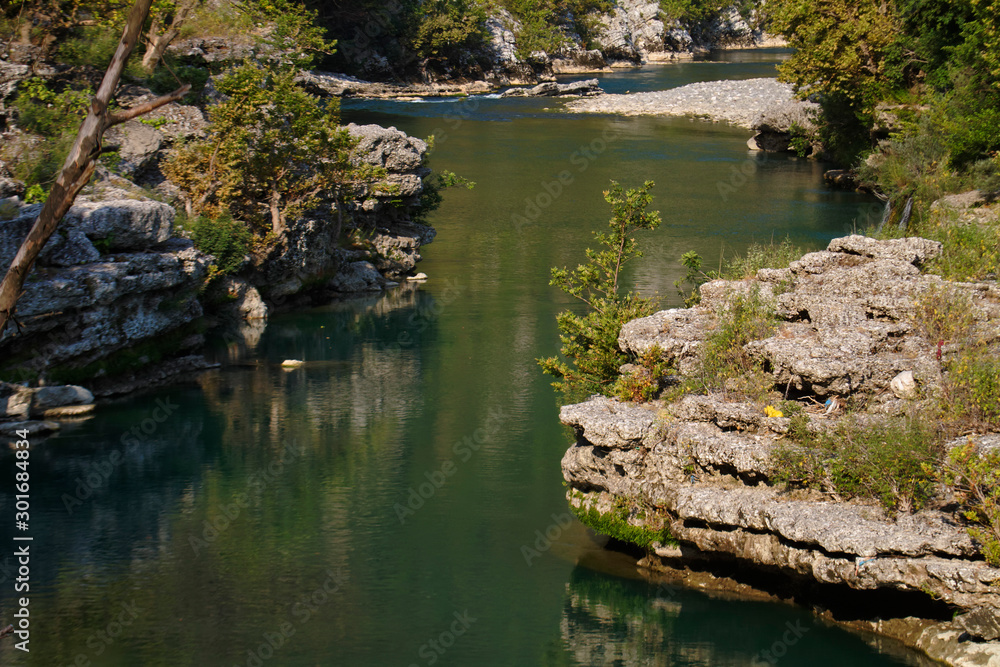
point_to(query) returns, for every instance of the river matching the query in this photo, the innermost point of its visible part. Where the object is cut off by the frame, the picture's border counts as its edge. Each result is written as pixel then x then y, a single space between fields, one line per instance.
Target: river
pixel 398 499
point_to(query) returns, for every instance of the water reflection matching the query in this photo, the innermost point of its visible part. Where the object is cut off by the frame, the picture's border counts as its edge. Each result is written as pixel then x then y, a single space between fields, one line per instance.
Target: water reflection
pixel 627 623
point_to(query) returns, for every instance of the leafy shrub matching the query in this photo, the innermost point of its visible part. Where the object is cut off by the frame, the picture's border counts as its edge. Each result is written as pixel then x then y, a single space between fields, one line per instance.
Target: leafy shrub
pixel 972 386
pixel 976 479
pixel 725 363
pixel 889 462
pixel 760 256
pixel 44 111
pixel 225 238
pixel 446 29
pixel 590 341
pixel 757 256
pixel 162 81
pixel 643 384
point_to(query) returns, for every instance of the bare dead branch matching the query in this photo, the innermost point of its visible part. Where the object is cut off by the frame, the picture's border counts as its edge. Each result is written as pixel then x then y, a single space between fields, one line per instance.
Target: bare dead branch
pixel 146 107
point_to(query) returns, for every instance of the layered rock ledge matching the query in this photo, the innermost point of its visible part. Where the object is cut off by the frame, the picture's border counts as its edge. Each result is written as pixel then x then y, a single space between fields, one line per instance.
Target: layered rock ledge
pixel 703 466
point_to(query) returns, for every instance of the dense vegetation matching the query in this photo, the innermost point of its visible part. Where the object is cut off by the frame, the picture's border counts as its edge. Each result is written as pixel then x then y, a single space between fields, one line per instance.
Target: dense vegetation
pixel 917 81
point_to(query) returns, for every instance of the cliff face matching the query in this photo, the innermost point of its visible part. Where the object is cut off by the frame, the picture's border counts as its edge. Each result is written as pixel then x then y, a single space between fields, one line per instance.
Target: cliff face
pixel 701 471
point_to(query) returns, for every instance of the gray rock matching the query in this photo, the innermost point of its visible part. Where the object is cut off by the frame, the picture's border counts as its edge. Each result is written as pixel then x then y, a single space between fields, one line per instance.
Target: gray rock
pixel 607 423
pixel 11 188
pixel 15 401
pixel 69 248
pixel 358 277
pixel 107 217
pixel 552 89
pixel 678 332
pixel 982 623
pixel 138 146
pixel 46 398
pixel 913 250
pixel 398 248
pixel 241 300
pixel 965 200
pixel 387 147
pixel 632 30
pixel 120 219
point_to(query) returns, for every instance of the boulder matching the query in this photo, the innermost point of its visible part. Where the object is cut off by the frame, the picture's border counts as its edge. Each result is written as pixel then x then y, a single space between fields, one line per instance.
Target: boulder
pixel 982 623
pixel 46 398
pixel 552 89
pixel 387 147
pixel 358 277
pixel 138 146
pixel 15 401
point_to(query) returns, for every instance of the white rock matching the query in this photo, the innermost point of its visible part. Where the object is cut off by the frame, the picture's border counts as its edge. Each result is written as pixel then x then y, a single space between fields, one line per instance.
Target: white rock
pixel 419 276
pixel 904 385
pixel 292 363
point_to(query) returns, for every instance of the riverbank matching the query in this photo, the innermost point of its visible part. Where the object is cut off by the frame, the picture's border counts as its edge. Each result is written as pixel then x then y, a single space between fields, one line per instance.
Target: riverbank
pixel 718 480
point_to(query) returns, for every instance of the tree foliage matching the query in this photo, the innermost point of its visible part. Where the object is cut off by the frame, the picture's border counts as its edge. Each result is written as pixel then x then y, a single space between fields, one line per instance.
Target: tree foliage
pixel 590 341
pixel 273 152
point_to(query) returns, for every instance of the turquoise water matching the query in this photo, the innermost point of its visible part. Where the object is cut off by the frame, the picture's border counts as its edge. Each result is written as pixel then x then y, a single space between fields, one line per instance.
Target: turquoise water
pixel 398 499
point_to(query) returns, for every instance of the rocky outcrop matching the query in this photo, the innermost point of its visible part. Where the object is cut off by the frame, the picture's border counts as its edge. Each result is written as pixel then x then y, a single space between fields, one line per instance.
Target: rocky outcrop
pixel 703 467
pixel 309 254
pixel 110 279
pixel 342 85
pixel 586 88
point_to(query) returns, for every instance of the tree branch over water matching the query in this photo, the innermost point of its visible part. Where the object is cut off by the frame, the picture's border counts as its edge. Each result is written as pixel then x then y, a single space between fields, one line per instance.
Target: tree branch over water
pixel 81 161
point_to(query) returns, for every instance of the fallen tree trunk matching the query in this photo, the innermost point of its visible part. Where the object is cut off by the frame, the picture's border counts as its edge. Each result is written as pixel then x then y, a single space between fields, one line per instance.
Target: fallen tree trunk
pixel 80 162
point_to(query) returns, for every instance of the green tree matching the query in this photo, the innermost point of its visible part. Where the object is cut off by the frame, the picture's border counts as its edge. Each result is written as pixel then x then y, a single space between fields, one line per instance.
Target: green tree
pixel 273 152
pixel 590 341
pixel 447 28
pixel 848 55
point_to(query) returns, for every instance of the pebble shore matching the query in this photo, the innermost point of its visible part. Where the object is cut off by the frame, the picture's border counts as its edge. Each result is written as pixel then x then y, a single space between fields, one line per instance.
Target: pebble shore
pixel 741 103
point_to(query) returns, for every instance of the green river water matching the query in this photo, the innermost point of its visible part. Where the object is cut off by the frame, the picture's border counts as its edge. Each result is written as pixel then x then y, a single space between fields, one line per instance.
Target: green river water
pixel 387 504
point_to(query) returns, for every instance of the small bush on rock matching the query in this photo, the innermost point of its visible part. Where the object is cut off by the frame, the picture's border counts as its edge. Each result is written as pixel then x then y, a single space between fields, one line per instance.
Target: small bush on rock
pixel 976 479
pixel 225 238
pixel 726 363
pixel 590 341
pixel 888 462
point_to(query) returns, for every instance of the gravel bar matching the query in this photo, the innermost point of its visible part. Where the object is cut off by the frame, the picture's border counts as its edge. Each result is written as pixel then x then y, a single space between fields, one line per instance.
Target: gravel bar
pixel 741 103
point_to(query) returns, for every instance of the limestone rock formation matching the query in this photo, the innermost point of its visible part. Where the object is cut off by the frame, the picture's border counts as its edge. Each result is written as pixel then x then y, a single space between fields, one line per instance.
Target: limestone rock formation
pixel 704 466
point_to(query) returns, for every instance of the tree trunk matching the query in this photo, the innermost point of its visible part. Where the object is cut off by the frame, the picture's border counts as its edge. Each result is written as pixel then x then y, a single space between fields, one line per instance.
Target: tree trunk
pixel 157 44
pixel 80 162
pixel 277 224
